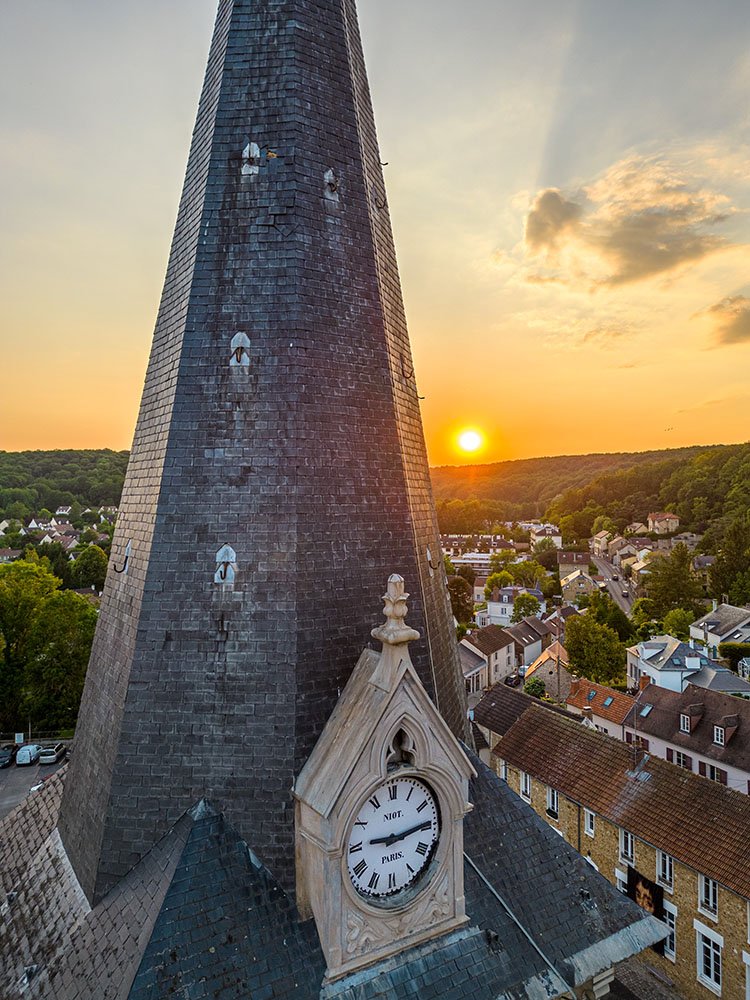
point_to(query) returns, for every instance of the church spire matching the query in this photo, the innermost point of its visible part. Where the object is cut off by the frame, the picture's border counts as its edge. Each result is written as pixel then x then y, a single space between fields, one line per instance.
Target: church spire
pixel 279 444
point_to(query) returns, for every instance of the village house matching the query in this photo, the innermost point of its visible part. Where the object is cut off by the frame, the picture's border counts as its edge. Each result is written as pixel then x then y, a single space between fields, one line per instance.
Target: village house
pixel 9 555
pixel 723 623
pixel 576 585
pixel 672 664
pixel 699 730
pixel 541 532
pixel 501 603
pixel 529 641
pixel 605 708
pixel 552 667
pixel 663 523
pixel 558 619
pixel 500 708
pixel 674 842
pixel 495 648
pixel 636 528
pixel 569 562
pixel 600 544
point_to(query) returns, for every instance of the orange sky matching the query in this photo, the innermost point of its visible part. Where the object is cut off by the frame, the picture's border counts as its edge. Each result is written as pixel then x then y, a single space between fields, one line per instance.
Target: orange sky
pixel 570 209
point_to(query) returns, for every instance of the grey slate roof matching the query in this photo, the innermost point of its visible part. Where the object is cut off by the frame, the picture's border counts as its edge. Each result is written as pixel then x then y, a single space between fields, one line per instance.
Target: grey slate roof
pixel 201 917
pixel 470 661
pixel 662 720
pixel 723 619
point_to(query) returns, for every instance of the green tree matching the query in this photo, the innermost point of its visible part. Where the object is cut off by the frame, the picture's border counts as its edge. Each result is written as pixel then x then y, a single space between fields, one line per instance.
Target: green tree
pixel 499 580
pixel 24 587
pixel 90 568
pixel 545 553
pixel 535 687
pixel 671 582
pixel 606 612
pixel 527 573
pixel 734 652
pixel 677 623
pixel 462 599
pixel 450 569
pixel 58 653
pixel 733 560
pixel 500 561
pixel 468 574
pixel 595 650
pixel 525 606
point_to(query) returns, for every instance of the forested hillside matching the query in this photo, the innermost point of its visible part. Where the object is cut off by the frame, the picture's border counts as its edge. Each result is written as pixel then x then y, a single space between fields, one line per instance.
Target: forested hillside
pixel 707 491
pixel 34 480
pixel 533 482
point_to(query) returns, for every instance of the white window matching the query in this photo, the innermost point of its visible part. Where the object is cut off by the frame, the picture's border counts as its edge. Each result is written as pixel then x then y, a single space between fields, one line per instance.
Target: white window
pixel 589 822
pixel 682 760
pixel 684 723
pixel 664 870
pixel 526 786
pixel 708 896
pixel 670 943
pixel 709 945
pixel 621 880
pixel 552 803
pixel 716 774
pixel 627 847
pixel 719 736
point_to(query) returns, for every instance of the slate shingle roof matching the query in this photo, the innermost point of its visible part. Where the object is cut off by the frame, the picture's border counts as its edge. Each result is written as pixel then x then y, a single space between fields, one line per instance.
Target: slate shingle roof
pixel 200 916
pixel 662 721
pixel 700 822
pixel 502 706
pixel 490 639
pixel 470 661
pixel 723 619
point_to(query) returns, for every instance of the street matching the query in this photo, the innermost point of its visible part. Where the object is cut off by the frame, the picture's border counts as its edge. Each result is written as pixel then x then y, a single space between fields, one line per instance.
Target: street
pixel 15 783
pixel 614 587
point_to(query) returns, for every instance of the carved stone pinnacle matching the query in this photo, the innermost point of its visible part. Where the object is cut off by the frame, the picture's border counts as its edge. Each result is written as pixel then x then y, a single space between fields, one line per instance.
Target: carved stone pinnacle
pixel 395 632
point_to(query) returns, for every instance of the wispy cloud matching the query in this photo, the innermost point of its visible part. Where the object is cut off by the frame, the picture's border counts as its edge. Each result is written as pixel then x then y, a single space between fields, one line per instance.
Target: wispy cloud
pixel 732 317
pixel 642 218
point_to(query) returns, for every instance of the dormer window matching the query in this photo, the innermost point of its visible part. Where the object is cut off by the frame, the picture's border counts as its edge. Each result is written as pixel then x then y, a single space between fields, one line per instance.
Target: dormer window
pixel 719 736
pixel 684 723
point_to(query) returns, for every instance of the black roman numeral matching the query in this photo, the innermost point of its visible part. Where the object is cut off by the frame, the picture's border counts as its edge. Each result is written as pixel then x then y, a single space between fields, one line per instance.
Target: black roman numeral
pixel 355 847
pixel 393 792
pixel 361 822
pixel 391 881
pixel 411 790
pixel 374 802
pixel 423 806
pixel 411 870
pixel 422 849
pixel 360 868
pixel 373 883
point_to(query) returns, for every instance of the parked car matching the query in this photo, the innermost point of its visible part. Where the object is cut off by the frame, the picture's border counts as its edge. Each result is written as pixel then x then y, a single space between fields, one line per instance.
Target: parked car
pixel 51 755
pixel 625 593
pixel 28 754
pixel 513 680
pixel 8 754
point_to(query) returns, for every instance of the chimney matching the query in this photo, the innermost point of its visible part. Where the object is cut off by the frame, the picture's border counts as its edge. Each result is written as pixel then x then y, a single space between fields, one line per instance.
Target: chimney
pixel 588 713
pixel 643 682
pixel 714 604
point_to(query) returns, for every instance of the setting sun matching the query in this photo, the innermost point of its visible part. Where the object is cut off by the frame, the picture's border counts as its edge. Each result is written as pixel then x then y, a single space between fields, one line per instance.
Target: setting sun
pixel 470 441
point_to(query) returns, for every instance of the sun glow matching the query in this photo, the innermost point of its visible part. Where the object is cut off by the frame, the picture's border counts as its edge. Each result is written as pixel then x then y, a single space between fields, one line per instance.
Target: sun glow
pixel 470 440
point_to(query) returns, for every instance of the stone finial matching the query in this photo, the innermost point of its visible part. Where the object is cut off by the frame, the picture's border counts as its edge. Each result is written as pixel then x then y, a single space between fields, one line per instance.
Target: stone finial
pixel 395 632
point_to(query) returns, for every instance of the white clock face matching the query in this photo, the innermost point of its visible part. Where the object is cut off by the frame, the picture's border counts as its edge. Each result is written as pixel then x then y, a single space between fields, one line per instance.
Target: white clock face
pixel 393 838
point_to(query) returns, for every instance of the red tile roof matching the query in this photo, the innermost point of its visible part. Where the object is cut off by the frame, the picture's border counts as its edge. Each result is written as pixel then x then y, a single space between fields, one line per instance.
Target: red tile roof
pixel 614 706
pixel 699 822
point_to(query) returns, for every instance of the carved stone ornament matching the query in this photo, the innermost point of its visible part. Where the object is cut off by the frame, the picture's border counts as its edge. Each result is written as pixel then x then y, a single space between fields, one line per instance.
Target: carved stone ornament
pixel 380 809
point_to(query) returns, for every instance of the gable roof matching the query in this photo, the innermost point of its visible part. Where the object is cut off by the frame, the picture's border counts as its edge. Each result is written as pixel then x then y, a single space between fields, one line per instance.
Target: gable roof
pixel 662 720
pixel 664 652
pixel 488 640
pixel 573 558
pixel 723 619
pixel 541 628
pixel 667 806
pixel 550 654
pixel 502 706
pixel 470 661
pixel 523 634
pixel 614 706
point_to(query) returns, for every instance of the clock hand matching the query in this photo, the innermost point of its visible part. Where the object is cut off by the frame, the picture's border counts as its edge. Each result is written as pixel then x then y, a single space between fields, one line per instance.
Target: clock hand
pixel 393 838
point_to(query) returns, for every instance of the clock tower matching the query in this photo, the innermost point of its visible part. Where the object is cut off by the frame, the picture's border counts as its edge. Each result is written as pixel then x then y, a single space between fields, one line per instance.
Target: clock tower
pixel 380 808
